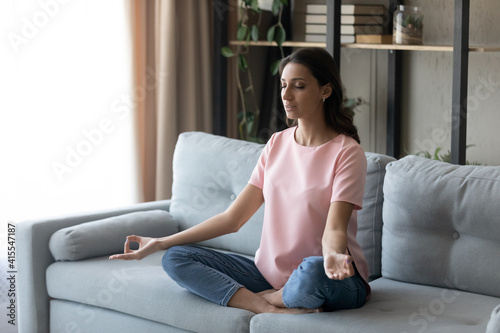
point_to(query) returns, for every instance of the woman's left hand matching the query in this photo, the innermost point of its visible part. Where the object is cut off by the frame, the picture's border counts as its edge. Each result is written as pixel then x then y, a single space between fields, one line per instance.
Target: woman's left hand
pixel 338 266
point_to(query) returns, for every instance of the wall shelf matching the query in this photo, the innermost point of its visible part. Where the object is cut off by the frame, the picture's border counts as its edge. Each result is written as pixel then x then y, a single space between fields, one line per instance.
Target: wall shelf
pixel 285 44
pixel 444 48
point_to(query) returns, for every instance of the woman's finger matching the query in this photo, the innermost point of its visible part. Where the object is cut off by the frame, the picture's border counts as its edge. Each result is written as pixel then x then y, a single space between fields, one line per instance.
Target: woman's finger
pixel 126 246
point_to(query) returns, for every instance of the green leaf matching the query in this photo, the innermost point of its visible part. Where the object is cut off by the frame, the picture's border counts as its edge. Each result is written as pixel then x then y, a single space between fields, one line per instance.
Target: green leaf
pixel 418 22
pixel 284 2
pixel 280 35
pixel 241 34
pixel 227 52
pixel 408 20
pixel 256 140
pixel 276 6
pixel 242 62
pixel 270 34
pixel 247 122
pixel 255 33
pixel 436 153
pixel 254 4
pixel 275 67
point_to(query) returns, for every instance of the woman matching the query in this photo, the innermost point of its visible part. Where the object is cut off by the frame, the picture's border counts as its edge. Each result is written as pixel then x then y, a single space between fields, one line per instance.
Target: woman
pixel 311 177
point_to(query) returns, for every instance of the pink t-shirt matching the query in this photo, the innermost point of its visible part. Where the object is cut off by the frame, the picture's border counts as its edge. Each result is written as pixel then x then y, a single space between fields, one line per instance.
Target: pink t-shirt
pixel 299 183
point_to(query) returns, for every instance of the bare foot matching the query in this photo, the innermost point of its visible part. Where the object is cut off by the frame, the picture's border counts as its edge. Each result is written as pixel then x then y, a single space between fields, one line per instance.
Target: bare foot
pixel 264 292
pixel 274 297
pixel 245 299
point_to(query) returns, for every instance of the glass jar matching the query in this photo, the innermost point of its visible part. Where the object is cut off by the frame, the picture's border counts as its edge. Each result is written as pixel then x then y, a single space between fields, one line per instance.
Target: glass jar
pixel 407 25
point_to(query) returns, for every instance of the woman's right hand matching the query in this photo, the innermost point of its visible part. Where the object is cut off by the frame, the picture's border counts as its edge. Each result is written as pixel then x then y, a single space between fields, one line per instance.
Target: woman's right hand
pixel 147 246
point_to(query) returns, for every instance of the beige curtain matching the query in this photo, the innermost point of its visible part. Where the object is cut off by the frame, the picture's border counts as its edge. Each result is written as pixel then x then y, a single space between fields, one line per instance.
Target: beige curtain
pixel 172 42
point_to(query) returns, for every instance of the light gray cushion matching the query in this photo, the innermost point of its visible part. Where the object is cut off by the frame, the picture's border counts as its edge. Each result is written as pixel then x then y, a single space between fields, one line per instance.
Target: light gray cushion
pixel 107 236
pixel 68 316
pixel 394 307
pixel 141 289
pixel 209 171
pixel 494 323
pixel 369 234
pixel 441 225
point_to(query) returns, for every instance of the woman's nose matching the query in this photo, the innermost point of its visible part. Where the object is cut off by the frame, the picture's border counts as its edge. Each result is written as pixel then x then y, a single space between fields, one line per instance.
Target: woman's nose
pixel 285 93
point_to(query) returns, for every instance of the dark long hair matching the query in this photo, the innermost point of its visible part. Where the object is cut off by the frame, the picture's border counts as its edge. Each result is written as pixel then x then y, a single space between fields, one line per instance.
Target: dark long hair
pixel 324 69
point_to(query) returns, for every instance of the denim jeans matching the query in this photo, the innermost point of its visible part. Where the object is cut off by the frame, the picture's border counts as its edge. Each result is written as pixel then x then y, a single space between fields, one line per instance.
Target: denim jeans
pixel 216 276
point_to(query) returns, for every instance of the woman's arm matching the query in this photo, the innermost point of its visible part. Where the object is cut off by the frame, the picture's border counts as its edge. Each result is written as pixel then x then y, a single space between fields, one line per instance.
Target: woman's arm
pixel 338 265
pixel 229 221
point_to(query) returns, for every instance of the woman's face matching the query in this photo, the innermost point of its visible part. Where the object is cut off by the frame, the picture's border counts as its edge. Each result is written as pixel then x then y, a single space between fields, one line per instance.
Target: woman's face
pixel 301 93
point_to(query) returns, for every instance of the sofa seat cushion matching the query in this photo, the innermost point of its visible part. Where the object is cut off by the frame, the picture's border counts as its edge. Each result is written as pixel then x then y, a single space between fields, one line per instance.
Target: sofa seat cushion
pixel 142 289
pixel 66 316
pixel 394 307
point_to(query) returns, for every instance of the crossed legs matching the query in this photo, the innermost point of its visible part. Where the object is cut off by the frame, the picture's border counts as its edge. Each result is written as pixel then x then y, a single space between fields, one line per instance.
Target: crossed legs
pixel 235 281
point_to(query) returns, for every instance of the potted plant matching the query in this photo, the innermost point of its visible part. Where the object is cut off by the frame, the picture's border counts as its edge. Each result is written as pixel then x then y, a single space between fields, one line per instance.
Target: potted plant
pixel 250 15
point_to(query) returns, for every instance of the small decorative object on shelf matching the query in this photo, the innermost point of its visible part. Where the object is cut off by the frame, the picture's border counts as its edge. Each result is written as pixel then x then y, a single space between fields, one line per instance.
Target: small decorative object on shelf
pixel 408 26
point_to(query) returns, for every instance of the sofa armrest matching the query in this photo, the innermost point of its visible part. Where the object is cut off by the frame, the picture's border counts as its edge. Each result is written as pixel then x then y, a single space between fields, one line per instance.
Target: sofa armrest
pixel 34 256
pixel 494 323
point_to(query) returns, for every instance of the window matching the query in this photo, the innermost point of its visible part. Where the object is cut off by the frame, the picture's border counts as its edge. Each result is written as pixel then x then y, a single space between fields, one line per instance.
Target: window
pixel 66 120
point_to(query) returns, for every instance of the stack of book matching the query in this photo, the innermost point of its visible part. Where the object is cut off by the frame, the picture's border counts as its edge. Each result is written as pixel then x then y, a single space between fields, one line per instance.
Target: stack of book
pixel 359 24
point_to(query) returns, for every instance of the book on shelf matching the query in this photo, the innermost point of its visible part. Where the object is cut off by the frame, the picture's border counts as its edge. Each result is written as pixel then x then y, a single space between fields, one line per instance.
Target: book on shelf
pixel 315 28
pixel 362 19
pixel 347 9
pixel 346 19
pixel 362 9
pixel 321 38
pixel 316 19
pixel 355 20
pixel 361 29
pixel 347 29
pixel 374 39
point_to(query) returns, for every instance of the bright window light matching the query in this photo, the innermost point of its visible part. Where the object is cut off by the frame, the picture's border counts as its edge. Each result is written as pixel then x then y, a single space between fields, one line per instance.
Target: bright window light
pixel 66 121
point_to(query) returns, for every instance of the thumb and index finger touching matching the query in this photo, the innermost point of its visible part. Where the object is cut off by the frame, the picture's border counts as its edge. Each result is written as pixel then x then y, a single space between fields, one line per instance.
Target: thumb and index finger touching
pixel 126 248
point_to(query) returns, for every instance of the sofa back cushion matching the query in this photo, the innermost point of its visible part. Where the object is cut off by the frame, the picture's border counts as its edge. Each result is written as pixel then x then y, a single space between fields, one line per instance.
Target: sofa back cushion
pixel 369 234
pixel 209 171
pixel 442 225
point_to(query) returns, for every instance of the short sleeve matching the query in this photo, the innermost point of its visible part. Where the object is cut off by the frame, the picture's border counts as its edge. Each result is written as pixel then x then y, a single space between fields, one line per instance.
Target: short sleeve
pixel 257 177
pixel 350 176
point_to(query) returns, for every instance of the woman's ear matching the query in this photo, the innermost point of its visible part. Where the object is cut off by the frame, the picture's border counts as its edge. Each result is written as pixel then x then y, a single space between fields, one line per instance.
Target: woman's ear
pixel 327 90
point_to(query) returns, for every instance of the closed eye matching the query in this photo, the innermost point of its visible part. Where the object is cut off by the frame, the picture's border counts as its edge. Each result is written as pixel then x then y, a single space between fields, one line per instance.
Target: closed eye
pixel 297 87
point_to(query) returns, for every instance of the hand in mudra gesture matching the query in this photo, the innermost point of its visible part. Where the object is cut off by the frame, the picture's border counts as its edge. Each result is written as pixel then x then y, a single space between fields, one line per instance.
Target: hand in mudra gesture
pixel 147 246
pixel 338 266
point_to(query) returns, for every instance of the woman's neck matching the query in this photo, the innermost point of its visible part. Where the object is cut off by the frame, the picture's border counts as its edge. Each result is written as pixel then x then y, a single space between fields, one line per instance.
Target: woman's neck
pixel 313 135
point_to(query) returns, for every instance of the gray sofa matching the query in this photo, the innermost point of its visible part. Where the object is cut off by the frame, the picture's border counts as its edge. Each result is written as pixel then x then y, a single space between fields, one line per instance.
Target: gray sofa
pixel 434 262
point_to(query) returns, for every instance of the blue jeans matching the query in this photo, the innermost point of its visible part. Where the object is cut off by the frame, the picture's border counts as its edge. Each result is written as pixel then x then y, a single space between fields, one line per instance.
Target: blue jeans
pixel 216 276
